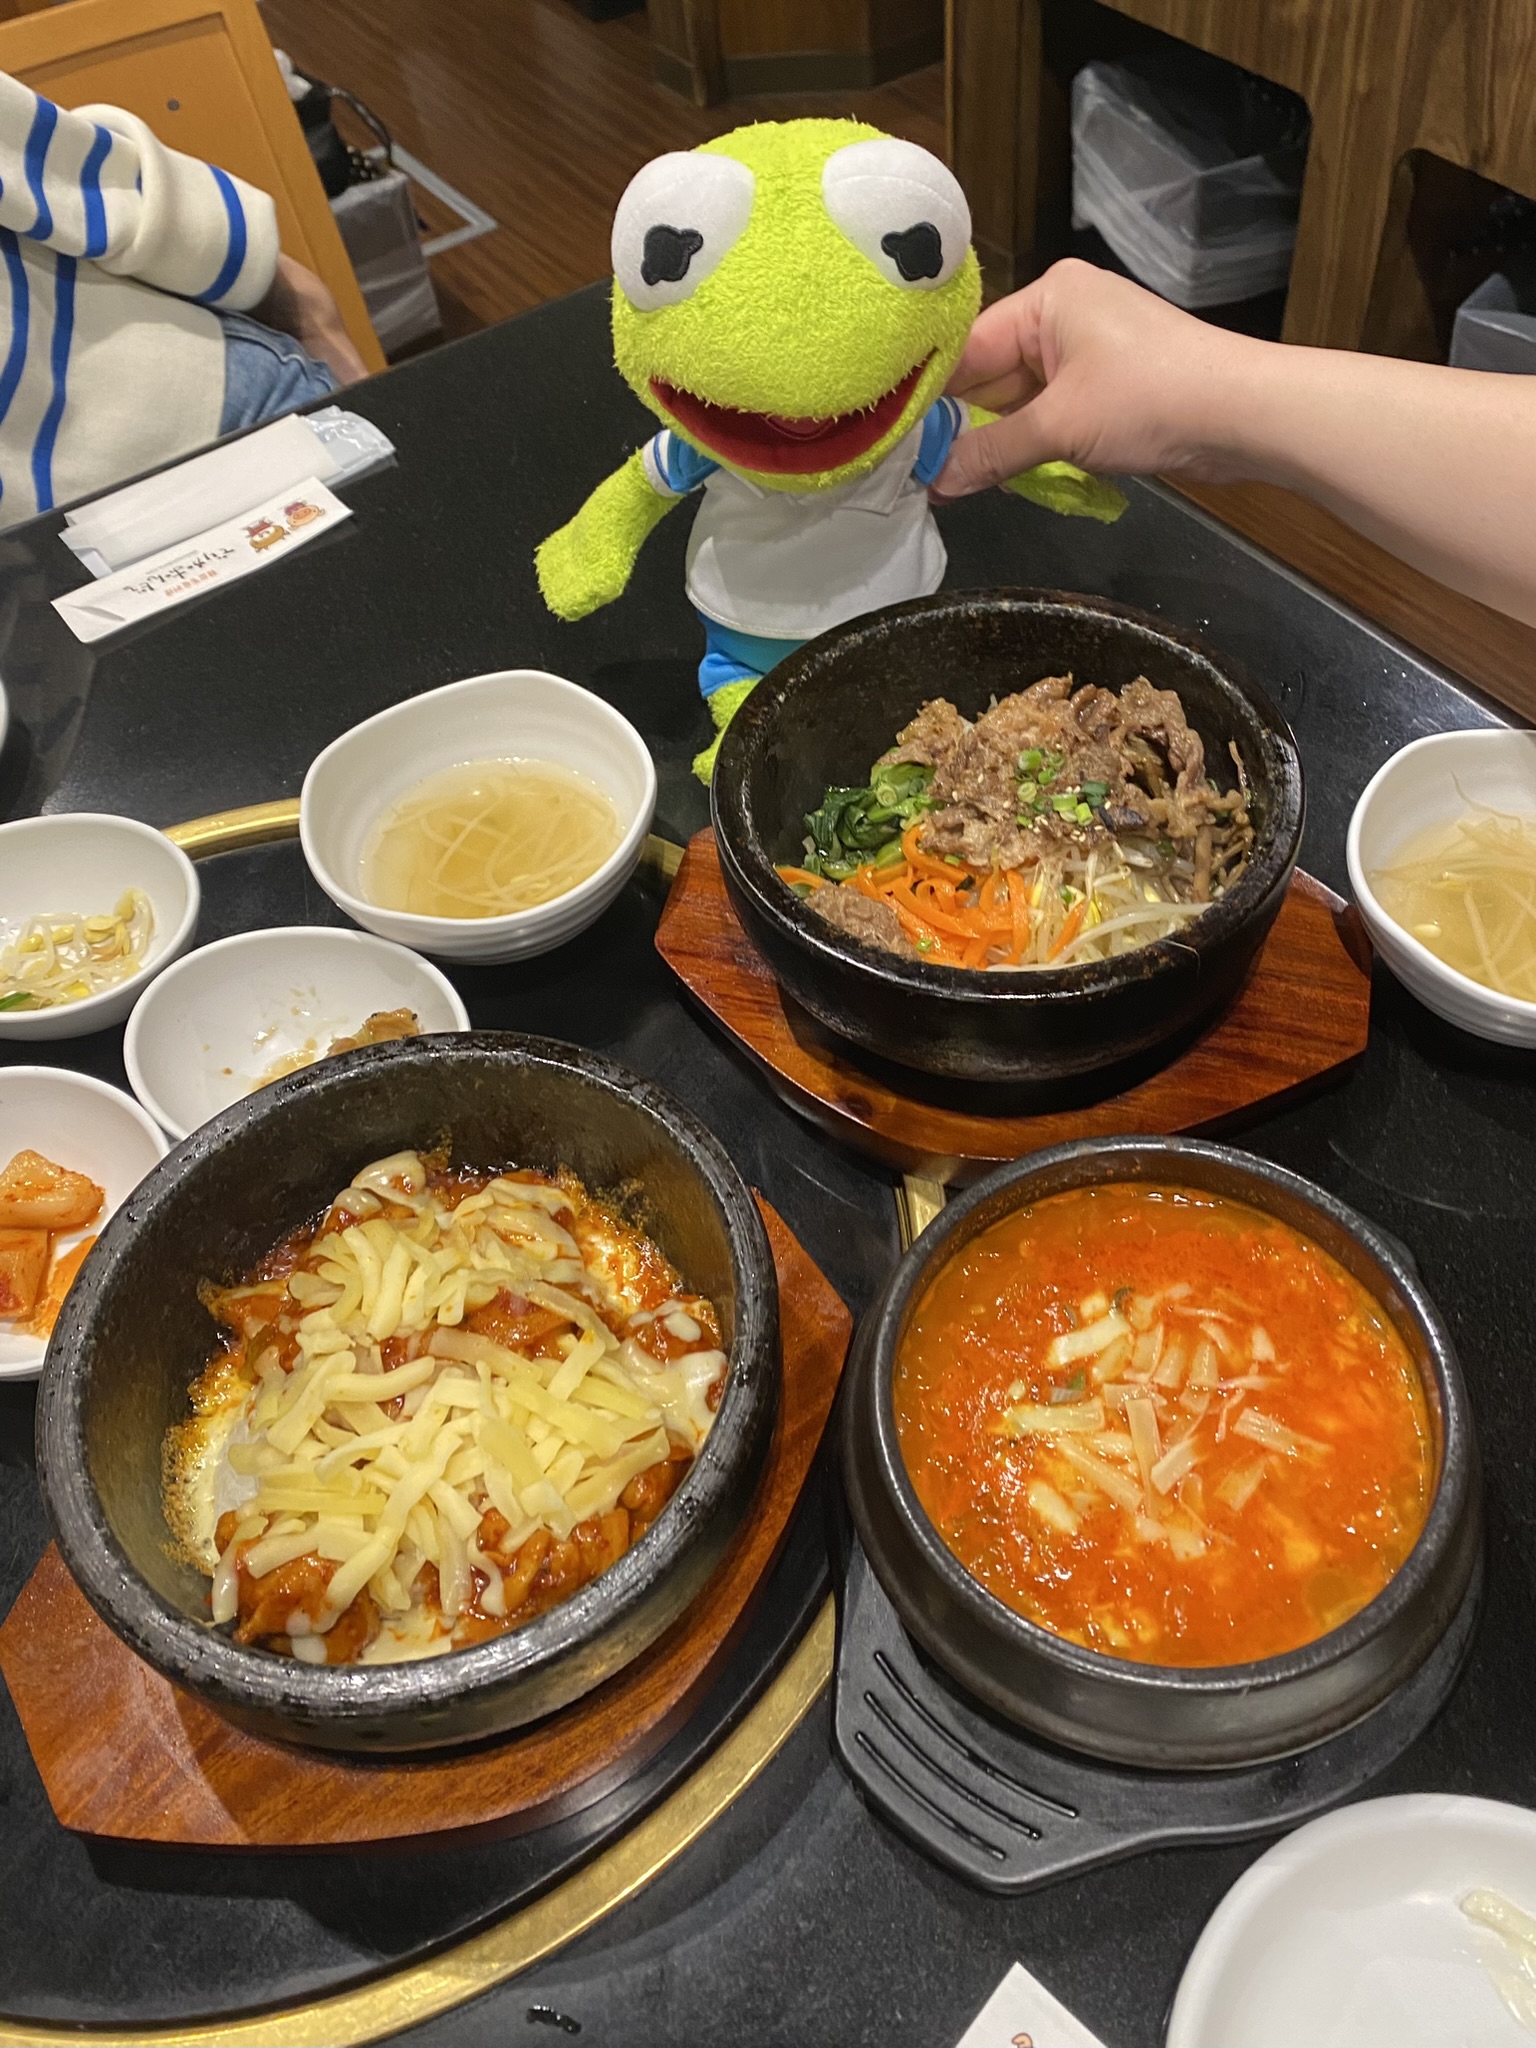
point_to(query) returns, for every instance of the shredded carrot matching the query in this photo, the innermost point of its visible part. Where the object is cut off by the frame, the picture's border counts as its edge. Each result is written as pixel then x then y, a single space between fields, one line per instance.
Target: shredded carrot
pixel 1071 928
pixel 1018 904
pixel 927 863
pixel 962 916
pixel 793 875
pixel 959 926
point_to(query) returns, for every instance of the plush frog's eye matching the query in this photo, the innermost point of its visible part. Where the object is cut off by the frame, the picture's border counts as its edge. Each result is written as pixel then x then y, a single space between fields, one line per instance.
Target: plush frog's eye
pixel 902 208
pixel 679 216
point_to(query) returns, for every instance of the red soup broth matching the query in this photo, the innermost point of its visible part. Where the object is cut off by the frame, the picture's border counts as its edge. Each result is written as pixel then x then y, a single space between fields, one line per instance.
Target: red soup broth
pixel 1164 1425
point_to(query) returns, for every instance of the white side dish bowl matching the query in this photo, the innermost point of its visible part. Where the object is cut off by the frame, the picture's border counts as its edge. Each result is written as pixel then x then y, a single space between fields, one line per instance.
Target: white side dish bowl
pixel 1431 782
pixel 515 714
pixel 218 1022
pixel 81 1123
pixel 81 862
pixel 1350 1934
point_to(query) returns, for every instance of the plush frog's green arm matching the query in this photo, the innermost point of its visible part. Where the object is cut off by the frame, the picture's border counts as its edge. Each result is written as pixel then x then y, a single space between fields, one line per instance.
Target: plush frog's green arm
pixel 587 563
pixel 1060 487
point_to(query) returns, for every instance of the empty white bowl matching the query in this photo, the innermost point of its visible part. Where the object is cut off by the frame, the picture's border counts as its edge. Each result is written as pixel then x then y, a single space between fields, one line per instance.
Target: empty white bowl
pixel 516 714
pixel 83 1124
pixel 1431 782
pixel 1350 1934
pixel 81 862
pixel 217 1022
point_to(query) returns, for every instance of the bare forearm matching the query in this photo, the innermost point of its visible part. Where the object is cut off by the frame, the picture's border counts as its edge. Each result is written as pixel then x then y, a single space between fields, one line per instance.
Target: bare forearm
pixel 1437 465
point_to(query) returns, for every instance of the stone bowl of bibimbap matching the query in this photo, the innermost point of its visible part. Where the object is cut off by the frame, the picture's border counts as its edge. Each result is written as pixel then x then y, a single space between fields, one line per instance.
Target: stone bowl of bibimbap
pixel 1008 836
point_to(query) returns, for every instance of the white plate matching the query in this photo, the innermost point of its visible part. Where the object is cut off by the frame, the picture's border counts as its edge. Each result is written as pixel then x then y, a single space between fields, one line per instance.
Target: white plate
pixel 1349 1933
pixel 80 1123
pixel 82 861
pixel 205 1033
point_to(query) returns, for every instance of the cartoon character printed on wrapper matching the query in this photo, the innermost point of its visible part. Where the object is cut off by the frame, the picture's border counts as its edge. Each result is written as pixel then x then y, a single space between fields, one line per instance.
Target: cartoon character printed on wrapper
pixel 265 533
pixel 789 300
pixel 301 513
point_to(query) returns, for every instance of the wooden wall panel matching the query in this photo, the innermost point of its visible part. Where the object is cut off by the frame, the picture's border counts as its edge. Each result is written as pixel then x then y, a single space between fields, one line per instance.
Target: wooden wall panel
pixel 1495 653
pixel 792 45
pixel 201 74
pixel 756 28
pixel 1380 77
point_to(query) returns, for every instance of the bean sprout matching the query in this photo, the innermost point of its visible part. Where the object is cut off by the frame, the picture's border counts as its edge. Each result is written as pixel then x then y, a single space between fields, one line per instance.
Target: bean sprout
pixel 63 957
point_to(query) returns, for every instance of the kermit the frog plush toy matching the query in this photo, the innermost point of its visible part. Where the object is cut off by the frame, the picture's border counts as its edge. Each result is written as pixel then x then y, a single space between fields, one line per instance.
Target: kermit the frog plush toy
pixel 789 300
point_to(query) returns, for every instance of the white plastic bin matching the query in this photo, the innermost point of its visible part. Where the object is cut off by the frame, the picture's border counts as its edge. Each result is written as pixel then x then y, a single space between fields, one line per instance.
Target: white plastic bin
pixel 1495 326
pixel 1191 174
pixel 378 226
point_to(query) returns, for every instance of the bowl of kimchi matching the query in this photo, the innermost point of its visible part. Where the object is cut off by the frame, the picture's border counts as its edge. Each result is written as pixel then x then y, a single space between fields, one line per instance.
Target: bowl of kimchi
pixel 415 1395
pixel 1163 1454
pixel 1079 825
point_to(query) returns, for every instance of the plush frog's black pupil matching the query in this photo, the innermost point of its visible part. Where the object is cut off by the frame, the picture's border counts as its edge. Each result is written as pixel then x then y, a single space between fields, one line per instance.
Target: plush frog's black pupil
pixel 668 253
pixel 917 251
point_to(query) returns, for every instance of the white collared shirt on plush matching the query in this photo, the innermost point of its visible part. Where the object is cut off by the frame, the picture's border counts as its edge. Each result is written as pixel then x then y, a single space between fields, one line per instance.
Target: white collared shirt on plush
pixel 790 564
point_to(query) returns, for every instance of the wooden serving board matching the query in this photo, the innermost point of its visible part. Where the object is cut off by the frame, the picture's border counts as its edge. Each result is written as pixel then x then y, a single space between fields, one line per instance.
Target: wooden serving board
pixel 174 1771
pixel 1303 1015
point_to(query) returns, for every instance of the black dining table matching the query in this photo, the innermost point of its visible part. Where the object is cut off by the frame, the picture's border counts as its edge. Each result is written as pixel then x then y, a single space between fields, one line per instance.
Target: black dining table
pixel 795 1916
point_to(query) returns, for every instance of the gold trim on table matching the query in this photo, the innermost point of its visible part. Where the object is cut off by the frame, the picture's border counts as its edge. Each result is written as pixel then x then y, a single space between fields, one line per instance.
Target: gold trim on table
pixel 918 1201
pixel 262 824
pixel 228 831
pixel 421 1991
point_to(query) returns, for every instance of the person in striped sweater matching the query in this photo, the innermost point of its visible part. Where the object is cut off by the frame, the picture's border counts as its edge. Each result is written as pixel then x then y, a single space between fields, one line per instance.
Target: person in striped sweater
pixel 145 307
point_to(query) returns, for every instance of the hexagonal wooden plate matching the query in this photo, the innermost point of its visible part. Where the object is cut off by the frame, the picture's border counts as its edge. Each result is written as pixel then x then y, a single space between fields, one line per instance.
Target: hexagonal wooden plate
pixel 182 1774
pixel 1301 1018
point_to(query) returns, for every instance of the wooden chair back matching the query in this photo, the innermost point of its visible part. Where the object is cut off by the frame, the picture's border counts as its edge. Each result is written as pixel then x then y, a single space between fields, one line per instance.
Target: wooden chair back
pixel 202 75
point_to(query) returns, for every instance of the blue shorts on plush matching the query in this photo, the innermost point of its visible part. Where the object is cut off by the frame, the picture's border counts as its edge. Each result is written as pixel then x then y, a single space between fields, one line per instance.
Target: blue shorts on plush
pixel 732 657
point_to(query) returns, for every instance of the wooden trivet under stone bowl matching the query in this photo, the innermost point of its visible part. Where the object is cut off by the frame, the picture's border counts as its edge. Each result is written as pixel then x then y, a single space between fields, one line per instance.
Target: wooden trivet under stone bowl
pixel 1301 1018
pixel 174 1771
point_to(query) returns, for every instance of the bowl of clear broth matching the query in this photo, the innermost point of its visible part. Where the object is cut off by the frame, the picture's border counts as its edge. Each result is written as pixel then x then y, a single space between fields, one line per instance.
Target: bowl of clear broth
pixel 488 820
pixel 1442 862
pixel 1163 1454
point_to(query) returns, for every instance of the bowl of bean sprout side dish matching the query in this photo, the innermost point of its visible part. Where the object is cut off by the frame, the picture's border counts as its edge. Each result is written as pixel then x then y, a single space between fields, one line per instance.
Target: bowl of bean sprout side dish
pixel 92 907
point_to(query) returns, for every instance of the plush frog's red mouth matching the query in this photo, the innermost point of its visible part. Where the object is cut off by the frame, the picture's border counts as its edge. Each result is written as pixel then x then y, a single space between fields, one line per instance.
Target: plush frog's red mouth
pixel 777 446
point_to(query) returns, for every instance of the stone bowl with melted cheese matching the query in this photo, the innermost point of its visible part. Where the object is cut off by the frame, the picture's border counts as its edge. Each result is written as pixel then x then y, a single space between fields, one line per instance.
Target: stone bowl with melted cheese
pixel 135 1337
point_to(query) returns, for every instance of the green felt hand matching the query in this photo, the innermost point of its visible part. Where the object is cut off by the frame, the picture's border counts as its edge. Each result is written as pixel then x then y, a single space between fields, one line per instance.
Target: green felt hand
pixel 587 563
pixel 724 704
pixel 1061 486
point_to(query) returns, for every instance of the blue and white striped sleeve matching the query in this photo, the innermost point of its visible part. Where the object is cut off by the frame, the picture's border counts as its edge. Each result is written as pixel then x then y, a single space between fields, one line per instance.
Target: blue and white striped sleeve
pixel 673 467
pixel 944 419
pixel 97 183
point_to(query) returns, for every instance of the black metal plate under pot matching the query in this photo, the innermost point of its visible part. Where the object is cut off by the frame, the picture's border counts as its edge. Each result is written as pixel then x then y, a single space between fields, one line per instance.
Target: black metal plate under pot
pixel 1009 1813
pixel 1175 1718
